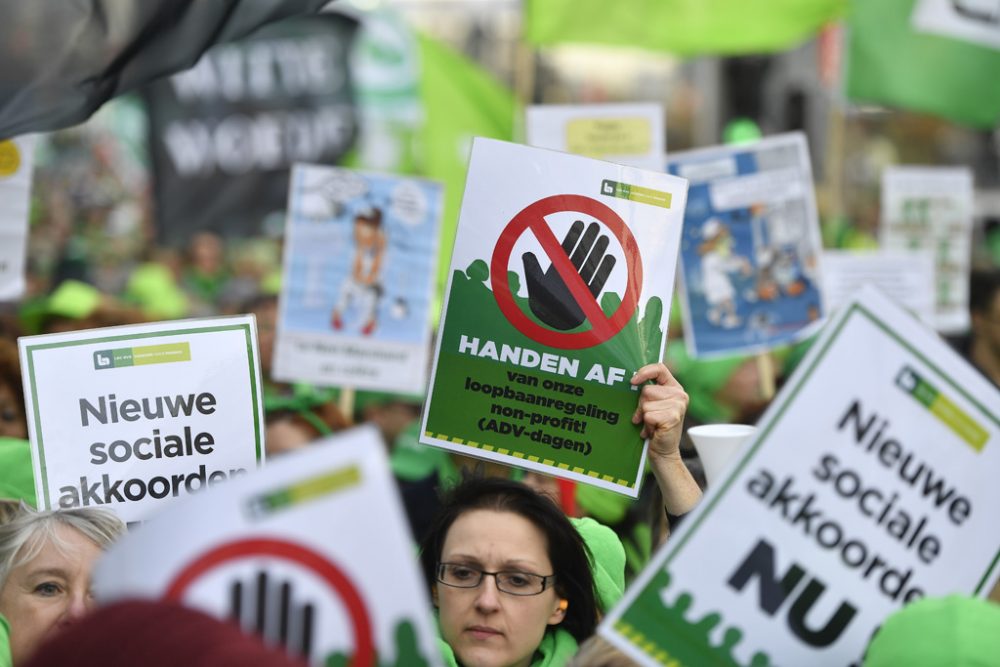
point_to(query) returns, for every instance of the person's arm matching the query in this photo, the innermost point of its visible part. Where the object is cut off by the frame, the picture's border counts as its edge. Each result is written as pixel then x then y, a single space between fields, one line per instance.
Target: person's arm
pixel 661 410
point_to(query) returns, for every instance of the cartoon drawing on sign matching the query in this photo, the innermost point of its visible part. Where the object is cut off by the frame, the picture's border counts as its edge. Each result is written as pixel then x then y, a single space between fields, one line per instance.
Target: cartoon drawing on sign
pixel 779 267
pixel 549 298
pixel 717 262
pixel 363 287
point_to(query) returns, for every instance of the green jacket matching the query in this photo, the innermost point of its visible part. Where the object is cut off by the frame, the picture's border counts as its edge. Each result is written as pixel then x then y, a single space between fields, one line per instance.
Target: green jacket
pixel 5 660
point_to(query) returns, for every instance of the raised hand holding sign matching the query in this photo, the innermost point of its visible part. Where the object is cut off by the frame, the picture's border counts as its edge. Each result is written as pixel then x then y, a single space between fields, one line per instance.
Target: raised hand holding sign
pixel 548 295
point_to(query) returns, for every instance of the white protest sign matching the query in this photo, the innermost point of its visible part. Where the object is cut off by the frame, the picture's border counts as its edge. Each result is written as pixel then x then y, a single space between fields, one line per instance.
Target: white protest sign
pixel 871 482
pixel 930 209
pixel 313 553
pixel 359 271
pixel 560 287
pixel 129 418
pixel 631 134
pixel 905 277
pixel 975 21
pixel 751 247
pixel 16 160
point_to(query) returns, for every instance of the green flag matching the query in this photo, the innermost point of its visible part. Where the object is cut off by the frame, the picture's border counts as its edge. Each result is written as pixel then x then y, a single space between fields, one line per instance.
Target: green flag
pixel 461 101
pixel 890 63
pixel 684 27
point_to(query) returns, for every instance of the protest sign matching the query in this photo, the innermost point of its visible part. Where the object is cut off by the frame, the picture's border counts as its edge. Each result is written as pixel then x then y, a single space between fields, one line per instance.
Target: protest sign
pixel 16 161
pixel 224 134
pixel 250 551
pixel 906 278
pixel 360 253
pixel 751 246
pixel 930 208
pixel 871 482
pixel 975 21
pixel 560 284
pixel 129 418
pixel 631 134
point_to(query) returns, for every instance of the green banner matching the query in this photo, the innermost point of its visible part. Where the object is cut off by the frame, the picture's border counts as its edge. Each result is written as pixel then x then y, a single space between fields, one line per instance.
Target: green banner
pixel 685 27
pixel 888 62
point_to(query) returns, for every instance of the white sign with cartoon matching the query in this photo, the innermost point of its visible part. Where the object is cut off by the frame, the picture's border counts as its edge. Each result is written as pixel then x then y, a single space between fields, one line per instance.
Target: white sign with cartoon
pixel 751 246
pixel 358 274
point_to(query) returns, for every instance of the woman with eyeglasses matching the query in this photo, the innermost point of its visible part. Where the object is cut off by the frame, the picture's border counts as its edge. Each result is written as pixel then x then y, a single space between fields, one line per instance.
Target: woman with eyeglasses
pixel 509 573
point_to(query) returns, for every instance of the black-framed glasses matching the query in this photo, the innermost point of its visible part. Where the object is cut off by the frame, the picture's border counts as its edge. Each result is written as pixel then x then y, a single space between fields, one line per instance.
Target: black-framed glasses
pixel 460 575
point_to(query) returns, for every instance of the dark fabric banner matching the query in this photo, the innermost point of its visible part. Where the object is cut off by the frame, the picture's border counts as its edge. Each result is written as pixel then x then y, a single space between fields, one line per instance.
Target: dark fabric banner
pixel 224 134
pixel 62 59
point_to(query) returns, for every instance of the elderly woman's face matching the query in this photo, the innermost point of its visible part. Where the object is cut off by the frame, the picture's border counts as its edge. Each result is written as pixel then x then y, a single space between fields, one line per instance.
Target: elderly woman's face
pixel 48 592
pixel 485 626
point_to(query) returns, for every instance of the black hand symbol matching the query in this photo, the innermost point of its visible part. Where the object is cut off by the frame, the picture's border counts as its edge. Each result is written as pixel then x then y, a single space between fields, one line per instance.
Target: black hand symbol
pixel 266 608
pixel 548 296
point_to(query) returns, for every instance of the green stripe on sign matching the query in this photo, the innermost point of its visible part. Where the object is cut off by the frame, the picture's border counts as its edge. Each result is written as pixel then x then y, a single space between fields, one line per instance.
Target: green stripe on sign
pixel 305 490
pixel 942 407
pixel 142 356
pixel 161 354
pixel 636 193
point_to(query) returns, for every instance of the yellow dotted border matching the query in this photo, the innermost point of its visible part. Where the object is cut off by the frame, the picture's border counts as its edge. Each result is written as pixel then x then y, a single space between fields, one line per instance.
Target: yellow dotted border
pixel 648 647
pixel 534 459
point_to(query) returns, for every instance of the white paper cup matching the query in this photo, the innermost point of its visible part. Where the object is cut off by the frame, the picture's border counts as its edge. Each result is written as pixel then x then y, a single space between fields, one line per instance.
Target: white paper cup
pixel 717 445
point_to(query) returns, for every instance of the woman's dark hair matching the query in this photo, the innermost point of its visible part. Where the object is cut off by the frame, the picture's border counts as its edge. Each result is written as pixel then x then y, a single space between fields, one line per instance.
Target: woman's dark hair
pixel 566 549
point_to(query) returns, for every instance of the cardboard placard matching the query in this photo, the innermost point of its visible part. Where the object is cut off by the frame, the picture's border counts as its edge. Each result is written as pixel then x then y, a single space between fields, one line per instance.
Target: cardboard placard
pixel 751 246
pixel 16 164
pixel 630 134
pixel 560 287
pixel 360 260
pixel 906 278
pixel 930 209
pixel 871 482
pixel 129 418
pixel 286 553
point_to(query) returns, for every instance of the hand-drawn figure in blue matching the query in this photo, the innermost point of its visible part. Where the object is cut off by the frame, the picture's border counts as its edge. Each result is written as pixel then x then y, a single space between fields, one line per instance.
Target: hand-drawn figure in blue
pixel 363 287
pixel 717 263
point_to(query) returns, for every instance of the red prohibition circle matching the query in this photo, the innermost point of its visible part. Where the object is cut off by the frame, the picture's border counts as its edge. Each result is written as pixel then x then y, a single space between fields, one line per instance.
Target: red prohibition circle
pixel 533 217
pixel 364 646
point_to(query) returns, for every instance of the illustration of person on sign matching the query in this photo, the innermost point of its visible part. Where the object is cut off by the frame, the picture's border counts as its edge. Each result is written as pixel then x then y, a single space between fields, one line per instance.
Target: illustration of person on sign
pixel 363 286
pixel 717 263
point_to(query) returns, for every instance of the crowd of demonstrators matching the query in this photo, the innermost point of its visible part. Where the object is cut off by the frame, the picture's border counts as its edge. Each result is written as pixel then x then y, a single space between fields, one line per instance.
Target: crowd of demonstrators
pixel 520 566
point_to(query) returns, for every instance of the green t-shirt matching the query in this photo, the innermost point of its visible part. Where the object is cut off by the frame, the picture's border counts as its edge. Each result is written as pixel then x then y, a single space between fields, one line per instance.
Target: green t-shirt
pixel 5 660
pixel 17 480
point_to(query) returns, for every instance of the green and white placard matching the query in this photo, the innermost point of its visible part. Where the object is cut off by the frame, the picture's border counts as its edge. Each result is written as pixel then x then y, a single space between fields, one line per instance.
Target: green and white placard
pixel 559 291
pixel 871 482
pixel 286 554
pixel 930 209
pixel 131 417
